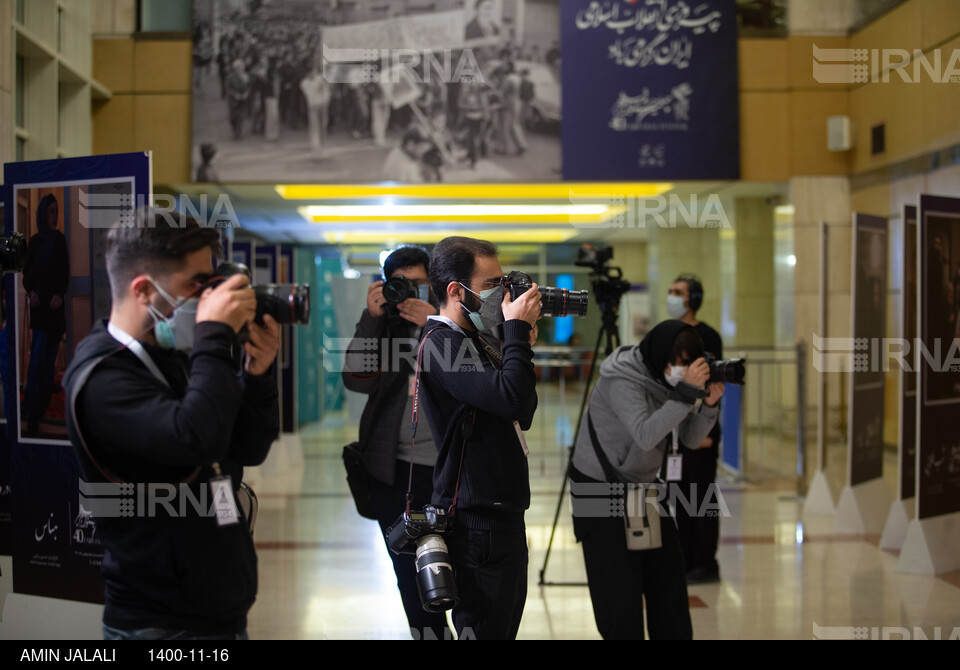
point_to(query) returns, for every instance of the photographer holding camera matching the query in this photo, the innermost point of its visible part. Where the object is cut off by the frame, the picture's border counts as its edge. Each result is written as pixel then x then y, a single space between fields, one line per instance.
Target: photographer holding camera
pixel 645 394
pixel 477 407
pixel 385 437
pixel 699 536
pixel 144 412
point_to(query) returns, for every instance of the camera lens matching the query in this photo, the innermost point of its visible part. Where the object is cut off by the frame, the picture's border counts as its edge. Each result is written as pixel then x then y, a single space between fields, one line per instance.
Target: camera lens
pixel 561 302
pixel 13 253
pixel 732 371
pixel 287 303
pixel 438 590
pixel 398 289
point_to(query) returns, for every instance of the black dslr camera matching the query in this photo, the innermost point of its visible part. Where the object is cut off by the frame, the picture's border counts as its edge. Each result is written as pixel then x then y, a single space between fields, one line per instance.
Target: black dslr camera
pixel 287 303
pixel 421 533
pixel 556 301
pixel 729 371
pixel 13 253
pixel 399 288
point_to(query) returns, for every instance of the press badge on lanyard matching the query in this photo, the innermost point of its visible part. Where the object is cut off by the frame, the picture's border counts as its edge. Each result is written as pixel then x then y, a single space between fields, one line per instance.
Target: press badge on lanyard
pixel 223 501
pixel 675 461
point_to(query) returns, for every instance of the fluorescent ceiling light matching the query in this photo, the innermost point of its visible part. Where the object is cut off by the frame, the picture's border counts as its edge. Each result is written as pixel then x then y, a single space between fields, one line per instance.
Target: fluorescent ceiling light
pixel 513 191
pixel 484 213
pixel 392 238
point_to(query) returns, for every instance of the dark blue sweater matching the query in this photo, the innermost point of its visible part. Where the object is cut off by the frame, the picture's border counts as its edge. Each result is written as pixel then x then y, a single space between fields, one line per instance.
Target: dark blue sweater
pixel 471 406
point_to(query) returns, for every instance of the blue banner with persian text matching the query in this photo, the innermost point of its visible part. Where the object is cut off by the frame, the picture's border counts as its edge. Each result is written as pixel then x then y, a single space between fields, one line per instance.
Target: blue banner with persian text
pixel 650 90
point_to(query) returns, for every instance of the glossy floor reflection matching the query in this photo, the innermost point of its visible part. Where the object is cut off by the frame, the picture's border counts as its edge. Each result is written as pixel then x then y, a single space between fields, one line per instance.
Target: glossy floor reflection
pixel 325 574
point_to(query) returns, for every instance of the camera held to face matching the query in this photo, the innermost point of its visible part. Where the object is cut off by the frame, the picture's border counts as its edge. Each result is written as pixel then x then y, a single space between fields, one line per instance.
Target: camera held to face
pixel 398 289
pixel 729 371
pixel 556 301
pixel 286 303
pixel 421 533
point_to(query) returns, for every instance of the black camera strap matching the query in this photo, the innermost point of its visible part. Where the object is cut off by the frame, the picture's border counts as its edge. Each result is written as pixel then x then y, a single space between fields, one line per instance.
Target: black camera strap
pixel 466 430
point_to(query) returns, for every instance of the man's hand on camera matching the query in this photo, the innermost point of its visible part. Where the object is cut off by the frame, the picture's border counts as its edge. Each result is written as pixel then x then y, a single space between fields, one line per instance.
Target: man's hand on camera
pixel 263 346
pixel 375 299
pixel 697 373
pixel 416 311
pixel 525 308
pixel 233 303
pixel 715 390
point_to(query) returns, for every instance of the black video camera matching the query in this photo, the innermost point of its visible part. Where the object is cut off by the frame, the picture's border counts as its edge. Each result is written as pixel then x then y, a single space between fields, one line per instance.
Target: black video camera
pixel 13 253
pixel 287 303
pixel 421 533
pixel 556 301
pixel 609 286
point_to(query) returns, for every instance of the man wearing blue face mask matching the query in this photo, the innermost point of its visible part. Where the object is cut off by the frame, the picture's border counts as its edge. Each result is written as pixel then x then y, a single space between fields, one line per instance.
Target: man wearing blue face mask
pixel 478 398
pixel 180 562
pixel 385 440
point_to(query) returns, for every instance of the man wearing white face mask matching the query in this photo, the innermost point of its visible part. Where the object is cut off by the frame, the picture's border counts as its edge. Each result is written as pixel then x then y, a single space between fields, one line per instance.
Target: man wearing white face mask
pixel 180 428
pixel 479 398
pixel 645 396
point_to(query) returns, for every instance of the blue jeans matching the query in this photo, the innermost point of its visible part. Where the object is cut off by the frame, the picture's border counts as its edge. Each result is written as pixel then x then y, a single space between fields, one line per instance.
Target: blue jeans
pixel 110 633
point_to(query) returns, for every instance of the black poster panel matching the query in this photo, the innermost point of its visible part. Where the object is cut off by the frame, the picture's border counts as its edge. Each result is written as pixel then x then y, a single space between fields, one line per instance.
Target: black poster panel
pixel 938 476
pixel 56 551
pixel 869 327
pixel 908 377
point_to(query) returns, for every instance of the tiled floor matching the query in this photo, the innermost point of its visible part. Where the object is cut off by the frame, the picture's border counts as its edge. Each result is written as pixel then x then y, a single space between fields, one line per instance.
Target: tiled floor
pixel 325 574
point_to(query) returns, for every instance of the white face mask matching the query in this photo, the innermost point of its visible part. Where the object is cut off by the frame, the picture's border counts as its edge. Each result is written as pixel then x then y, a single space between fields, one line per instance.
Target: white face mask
pixel 675 307
pixel 676 374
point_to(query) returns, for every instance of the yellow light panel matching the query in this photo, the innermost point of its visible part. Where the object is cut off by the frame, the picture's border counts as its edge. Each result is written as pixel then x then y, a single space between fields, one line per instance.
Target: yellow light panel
pixel 535 235
pixel 490 214
pixel 551 191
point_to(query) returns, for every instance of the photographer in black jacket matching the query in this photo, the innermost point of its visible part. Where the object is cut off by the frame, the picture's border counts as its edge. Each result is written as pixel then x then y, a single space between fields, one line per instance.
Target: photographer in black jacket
pixel 478 398
pixel 385 424
pixel 143 411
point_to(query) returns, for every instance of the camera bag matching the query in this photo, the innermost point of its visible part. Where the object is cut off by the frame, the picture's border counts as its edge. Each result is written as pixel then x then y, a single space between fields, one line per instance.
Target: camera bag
pixel 359 480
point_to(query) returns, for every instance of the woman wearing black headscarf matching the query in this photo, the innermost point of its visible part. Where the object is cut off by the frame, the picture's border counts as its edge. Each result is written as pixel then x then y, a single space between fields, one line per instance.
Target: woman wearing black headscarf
pixel 643 394
pixel 46 275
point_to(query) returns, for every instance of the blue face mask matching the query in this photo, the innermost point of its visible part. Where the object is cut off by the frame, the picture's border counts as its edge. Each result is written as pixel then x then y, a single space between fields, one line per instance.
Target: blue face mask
pixel 423 293
pixel 490 313
pixel 177 330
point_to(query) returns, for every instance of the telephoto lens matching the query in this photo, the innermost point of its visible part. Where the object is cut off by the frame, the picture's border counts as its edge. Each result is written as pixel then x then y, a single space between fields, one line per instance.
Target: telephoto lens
pixel 435 582
pixel 556 301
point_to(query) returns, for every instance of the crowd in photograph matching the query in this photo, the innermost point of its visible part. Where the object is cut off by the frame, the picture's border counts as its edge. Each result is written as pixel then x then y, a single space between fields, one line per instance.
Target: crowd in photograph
pixel 271 77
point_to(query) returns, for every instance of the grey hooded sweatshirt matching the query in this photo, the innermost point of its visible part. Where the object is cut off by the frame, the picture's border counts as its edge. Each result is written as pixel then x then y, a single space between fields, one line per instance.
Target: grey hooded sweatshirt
pixel 634 414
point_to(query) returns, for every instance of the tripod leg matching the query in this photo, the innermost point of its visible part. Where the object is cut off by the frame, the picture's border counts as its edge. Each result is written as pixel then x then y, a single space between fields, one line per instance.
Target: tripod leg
pixel 566 474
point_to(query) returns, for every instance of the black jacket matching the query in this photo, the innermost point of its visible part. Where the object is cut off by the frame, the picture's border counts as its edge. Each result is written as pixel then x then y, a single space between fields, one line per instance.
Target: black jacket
pixel 386 386
pixel 484 401
pixel 181 570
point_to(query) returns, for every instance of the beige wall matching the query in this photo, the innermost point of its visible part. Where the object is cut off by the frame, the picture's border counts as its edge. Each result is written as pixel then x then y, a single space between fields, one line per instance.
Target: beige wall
pixel 7 141
pixel 150 109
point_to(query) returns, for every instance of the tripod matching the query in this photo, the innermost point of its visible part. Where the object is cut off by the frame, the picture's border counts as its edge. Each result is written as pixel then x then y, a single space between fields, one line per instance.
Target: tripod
pixel 608 328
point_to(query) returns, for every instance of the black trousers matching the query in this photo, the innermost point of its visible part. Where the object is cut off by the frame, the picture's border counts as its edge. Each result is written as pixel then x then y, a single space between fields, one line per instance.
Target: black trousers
pixel 389 503
pixel 699 535
pixel 490 567
pixel 621 580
